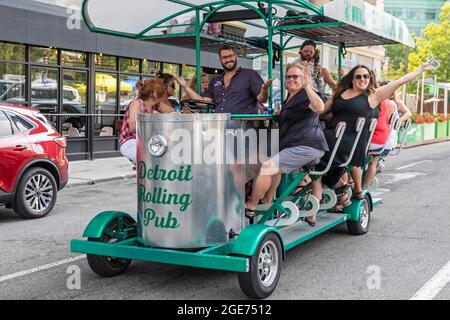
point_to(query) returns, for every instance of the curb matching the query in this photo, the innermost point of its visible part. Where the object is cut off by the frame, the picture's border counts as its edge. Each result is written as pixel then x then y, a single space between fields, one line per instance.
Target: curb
pixel 423 143
pixel 84 182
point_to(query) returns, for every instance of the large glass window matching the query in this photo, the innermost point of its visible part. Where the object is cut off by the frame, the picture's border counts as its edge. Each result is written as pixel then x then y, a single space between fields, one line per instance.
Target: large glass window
pixel 127 91
pixel 105 103
pixel 12 83
pixel 150 68
pixel 105 62
pixel 73 59
pixel 5 125
pixel 44 55
pixel 44 91
pixel 129 65
pixel 74 103
pixel 12 51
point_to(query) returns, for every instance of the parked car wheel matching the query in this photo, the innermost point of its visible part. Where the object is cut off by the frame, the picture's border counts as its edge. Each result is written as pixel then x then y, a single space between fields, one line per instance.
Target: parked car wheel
pixel 36 194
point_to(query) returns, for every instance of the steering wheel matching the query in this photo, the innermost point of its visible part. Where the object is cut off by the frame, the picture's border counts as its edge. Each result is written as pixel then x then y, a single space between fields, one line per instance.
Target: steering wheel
pixel 197 105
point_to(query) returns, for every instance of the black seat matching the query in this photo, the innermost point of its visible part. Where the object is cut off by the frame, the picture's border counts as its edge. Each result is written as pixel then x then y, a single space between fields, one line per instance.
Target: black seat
pixel 310 165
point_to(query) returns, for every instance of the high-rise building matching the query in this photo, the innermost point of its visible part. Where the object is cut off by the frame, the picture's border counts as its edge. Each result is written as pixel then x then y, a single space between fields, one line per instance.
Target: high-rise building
pixel 416 13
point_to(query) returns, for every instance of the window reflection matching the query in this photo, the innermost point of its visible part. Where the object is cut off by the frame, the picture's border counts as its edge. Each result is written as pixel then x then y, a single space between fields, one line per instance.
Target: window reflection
pixel 44 91
pixel 129 65
pixel 150 68
pixel 105 103
pixel 44 55
pixel 12 83
pixel 105 62
pixel 74 102
pixel 73 59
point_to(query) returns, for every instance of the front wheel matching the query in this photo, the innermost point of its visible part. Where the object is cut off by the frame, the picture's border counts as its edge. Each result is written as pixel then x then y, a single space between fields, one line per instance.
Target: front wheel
pixel 36 194
pixel 362 225
pixel 110 266
pixel 265 268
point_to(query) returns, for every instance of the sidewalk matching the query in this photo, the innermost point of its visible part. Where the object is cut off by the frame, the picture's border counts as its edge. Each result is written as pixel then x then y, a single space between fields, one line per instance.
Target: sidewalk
pixel 100 170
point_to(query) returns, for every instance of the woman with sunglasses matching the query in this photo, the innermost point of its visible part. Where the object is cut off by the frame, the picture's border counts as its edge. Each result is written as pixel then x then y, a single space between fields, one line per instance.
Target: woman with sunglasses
pixel 355 97
pixel 301 137
pixel 167 105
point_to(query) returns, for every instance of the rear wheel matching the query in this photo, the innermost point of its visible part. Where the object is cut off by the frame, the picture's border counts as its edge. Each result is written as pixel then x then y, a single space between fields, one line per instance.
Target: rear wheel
pixel 362 225
pixel 110 266
pixel 265 268
pixel 36 194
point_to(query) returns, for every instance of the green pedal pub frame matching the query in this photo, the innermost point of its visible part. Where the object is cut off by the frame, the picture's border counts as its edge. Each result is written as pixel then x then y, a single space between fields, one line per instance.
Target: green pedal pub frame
pixel 192 213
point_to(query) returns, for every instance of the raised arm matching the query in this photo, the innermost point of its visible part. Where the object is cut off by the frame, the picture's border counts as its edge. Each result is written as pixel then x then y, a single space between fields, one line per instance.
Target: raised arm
pixel 191 93
pixel 264 94
pixel 316 104
pixel 329 79
pixel 384 92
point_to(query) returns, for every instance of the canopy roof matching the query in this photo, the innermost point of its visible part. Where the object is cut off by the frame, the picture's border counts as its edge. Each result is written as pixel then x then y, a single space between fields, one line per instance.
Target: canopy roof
pixel 352 22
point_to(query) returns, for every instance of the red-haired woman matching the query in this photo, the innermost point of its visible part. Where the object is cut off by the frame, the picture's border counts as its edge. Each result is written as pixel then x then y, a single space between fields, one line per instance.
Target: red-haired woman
pixel 150 94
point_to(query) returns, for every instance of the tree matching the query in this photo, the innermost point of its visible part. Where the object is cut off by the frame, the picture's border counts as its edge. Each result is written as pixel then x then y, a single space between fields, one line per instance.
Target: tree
pixel 436 42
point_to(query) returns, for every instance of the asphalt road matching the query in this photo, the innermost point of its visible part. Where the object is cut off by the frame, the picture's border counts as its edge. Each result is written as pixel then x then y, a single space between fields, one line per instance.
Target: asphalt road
pixel 407 246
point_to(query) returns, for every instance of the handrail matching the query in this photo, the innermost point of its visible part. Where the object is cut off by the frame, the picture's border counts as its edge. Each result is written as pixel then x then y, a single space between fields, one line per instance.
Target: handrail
pixel 359 128
pixel 373 125
pixel 339 133
pixel 405 134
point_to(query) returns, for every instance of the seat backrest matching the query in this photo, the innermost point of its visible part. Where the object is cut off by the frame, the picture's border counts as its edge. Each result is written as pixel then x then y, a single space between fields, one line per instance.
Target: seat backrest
pixel 106 131
pixel 73 132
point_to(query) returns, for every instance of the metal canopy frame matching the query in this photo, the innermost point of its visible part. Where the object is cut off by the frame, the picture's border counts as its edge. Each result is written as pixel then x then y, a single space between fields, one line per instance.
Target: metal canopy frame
pixel 349 23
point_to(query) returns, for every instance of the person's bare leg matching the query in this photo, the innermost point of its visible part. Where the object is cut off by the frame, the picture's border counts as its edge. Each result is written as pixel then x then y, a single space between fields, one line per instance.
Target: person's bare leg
pixel 357 178
pixel 371 172
pixel 262 184
pixel 316 191
pixel 272 190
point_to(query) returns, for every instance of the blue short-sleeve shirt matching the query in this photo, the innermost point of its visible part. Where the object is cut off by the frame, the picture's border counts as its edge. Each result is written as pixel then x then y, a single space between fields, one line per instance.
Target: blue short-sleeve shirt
pixel 240 97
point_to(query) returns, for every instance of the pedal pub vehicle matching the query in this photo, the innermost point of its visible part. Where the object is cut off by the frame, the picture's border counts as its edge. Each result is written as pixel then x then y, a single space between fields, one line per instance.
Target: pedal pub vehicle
pixel 192 213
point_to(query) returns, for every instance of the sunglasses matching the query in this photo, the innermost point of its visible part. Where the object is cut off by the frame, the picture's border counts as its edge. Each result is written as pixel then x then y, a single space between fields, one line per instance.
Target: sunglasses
pixel 362 76
pixel 293 77
pixel 172 85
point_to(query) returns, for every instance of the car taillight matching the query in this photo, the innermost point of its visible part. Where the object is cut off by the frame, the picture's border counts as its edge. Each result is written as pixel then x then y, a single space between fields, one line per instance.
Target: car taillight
pixel 61 141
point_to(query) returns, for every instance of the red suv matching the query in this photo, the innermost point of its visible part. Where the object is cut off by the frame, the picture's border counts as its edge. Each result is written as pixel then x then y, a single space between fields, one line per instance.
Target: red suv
pixel 33 162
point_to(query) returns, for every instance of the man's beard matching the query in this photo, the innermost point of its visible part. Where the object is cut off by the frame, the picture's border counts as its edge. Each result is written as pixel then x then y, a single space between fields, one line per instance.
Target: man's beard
pixel 307 58
pixel 231 68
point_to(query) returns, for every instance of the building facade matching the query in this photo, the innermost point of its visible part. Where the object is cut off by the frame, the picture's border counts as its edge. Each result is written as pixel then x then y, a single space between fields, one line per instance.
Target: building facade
pixel 416 14
pixel 82 81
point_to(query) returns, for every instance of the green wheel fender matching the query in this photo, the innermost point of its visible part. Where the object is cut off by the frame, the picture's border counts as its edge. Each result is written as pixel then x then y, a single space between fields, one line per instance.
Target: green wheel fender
pixel 353 211
pixel 249 239
pixel 95 228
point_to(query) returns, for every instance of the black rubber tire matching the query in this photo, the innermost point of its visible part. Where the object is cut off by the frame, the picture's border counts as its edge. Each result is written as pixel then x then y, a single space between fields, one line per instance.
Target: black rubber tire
pixel 20 204
pixel 250 281
pixel 107 266
pixel 358 227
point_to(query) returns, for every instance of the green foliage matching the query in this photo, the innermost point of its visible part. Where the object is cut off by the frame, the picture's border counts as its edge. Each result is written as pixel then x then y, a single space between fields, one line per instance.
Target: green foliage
pixel 436 42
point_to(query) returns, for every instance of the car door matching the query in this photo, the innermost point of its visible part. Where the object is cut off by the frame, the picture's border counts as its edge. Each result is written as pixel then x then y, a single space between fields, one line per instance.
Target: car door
pixel 15 152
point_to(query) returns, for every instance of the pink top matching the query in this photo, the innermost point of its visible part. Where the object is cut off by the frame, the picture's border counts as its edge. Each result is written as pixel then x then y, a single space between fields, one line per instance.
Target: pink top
pixel 381 133
pixel 125 132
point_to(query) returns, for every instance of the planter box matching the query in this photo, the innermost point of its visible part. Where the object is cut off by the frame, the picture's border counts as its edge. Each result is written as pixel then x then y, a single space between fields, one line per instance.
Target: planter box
pixel 441 129
pixel 415 133
pixel 428 131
